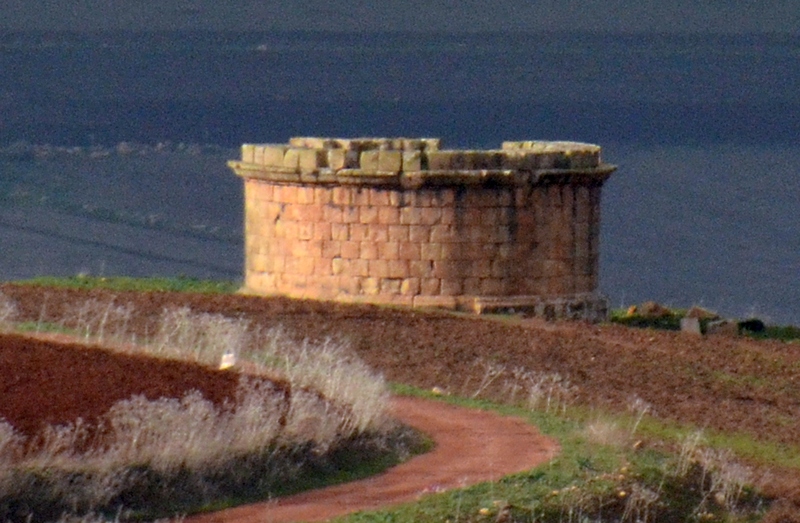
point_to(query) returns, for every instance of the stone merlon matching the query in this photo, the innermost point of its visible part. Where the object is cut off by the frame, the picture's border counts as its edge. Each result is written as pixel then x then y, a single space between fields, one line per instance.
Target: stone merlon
pixel 412 163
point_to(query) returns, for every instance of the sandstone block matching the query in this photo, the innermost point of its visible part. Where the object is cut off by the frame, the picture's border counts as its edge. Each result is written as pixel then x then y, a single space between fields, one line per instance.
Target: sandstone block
pixel 291 159
pixel 258 155
pixel 248 152
pixel 377 232
pixel 342 195
pixel 361 196
pixel 360 267
pixel 472 286
pixel 331 249
pixel 388 215
pixel 432 144
pixel 351 250
pixel 272 155
pixel 443 234
pixel 379 197
pixel 398 233
pixel 350 214
pixel 430 251
pixel 389 251
pixel 337 159
pixel 369 250
pixel 311 159
pixel 368 214
pixel 305 230
pixel 340 231
pixel 322 267
pixel 430 286
pixel 451 287
pixel 410 286
pixel 412 161
pixel 430 215
pixel 349 285
pixel 391 285
pixel 338 265
pixel 369 161
pixel 390 161
pixel 409 251
pixel 398 268
pixel 370 286
pixel 322 230
pixel 359 232
pixel 439 160
pixel 420 268
pixel 379 268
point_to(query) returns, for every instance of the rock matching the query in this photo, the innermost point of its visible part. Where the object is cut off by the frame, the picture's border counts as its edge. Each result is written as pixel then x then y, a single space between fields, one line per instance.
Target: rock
pixel 701 313
pixel 651 309
pixel 691 325
pixel 724 327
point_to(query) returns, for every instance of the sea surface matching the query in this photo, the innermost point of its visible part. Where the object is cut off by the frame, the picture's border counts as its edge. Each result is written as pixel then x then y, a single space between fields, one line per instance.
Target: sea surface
pixel 705 130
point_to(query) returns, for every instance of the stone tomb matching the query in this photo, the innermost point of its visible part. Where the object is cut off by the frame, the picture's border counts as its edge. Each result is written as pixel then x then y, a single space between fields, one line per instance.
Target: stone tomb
pixel 405 222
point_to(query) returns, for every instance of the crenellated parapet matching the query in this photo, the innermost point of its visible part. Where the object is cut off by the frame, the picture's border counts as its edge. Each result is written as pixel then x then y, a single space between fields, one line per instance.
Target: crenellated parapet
pixel 403 221
pixel 414 163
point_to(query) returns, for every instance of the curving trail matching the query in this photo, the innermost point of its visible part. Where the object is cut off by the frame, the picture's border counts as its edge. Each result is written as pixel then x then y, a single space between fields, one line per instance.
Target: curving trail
pixel 472 446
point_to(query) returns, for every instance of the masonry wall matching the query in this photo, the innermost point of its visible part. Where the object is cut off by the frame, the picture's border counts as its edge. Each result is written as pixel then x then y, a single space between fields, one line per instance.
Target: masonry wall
pixel 472 246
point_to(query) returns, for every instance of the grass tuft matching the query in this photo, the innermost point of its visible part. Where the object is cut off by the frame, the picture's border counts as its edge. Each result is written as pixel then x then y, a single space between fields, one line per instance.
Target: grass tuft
pixel 124 283
pixel 324 419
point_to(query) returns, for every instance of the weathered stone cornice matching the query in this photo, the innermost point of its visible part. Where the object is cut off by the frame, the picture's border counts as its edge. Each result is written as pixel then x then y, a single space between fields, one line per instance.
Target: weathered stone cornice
pixel 415 163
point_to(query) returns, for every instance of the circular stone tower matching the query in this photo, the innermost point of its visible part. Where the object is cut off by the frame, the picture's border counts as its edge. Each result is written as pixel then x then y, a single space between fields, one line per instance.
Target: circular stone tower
pixel 402 221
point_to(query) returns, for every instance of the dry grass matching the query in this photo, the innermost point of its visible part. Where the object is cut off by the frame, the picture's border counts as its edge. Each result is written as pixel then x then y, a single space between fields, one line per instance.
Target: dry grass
pixel 335 400
pixel 8 311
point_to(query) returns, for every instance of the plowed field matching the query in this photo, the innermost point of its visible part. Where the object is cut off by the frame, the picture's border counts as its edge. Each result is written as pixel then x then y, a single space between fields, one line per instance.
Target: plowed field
pixel 718 382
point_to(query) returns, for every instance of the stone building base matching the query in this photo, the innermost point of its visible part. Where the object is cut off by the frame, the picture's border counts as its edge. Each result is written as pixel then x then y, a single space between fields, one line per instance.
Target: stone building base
pixel 589 307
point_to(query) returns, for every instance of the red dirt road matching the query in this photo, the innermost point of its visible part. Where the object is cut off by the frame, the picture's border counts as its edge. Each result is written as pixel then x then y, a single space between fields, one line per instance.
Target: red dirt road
pixel 53 379
pixel 721 383
pixel 472 446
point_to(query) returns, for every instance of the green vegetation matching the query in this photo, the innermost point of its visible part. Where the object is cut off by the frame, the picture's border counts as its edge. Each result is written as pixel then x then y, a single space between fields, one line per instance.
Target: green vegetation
pixel 604 472
pixel 777 332
pixel 123 283
pixel 611 467
pixel 671 320
pixel 321 422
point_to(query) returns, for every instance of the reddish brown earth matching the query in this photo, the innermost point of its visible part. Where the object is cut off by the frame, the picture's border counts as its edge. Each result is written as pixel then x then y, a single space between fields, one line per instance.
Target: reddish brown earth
pixel 47 382
pixel 715 382
pixel 471 447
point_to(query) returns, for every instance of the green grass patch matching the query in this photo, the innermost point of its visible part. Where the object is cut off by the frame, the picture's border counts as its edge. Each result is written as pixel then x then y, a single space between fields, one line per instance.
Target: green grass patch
pixel 42 326
pixel 672 322
pixel 591 480
pixel 124 283
pixel 777 332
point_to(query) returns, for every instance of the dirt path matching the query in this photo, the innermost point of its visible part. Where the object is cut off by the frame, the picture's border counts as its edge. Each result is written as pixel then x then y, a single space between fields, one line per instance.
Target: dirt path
pixel 472 446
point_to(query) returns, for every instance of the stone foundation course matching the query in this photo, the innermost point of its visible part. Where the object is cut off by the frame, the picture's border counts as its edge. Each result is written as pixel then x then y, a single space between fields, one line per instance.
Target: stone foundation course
pixel 404 222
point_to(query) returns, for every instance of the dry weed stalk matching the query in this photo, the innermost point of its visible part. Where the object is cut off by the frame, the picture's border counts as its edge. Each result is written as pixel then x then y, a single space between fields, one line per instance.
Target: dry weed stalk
pixel 722 479
pixel 640 504
pixel 332 396
pixel 605 432
pixel 8 311
pixel 639 408
pixel 550 389
pixel 492 371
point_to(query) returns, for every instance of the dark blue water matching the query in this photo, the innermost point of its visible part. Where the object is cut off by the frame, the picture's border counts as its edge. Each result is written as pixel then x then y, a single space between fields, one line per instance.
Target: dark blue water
pixel 705 130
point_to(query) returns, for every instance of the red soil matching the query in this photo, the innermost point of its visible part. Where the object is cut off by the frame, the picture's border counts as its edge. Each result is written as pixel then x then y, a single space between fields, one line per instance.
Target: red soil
pixel 56 382
pixel 714 382
pixel 471 447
